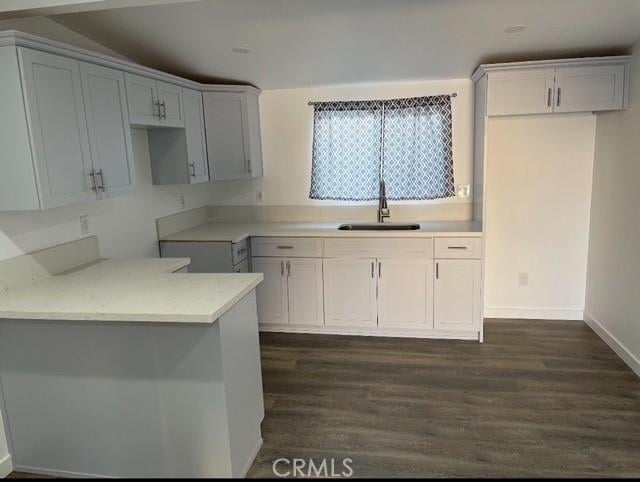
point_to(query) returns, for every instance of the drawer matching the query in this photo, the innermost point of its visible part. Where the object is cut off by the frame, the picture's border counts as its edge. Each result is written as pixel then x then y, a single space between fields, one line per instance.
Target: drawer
pixel 241 267
pixel 239 251
pixel 287 247
pixel 458 248
pixel 378 248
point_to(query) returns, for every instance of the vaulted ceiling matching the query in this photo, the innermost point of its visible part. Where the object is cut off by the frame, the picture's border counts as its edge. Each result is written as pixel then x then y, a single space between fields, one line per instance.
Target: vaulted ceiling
pixel 296 43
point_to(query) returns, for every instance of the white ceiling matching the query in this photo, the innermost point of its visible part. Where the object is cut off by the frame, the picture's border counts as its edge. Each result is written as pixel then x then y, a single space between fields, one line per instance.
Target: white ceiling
pixel 297 43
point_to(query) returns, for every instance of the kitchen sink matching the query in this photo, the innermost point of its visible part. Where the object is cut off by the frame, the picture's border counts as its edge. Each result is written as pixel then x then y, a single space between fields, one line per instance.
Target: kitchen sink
pixel 379 227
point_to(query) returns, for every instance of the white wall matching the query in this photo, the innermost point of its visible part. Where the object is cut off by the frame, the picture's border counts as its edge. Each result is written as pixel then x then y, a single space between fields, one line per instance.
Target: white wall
pixel 613 282
pixel 287 133
pixel 539 171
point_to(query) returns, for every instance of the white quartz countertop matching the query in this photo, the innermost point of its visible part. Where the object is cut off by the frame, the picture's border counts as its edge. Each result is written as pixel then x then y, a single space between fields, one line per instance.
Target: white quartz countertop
pixel 234 232
pixel 135 290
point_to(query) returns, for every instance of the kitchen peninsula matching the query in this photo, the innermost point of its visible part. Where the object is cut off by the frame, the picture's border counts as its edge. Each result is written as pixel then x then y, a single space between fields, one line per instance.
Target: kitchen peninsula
pixel 128 368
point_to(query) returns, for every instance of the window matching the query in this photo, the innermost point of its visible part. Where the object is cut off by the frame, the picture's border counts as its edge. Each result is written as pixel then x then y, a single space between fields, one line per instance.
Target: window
pixel 405 142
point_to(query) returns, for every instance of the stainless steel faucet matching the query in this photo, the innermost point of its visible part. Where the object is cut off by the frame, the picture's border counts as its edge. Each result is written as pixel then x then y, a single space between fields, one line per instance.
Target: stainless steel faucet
pixel 383 209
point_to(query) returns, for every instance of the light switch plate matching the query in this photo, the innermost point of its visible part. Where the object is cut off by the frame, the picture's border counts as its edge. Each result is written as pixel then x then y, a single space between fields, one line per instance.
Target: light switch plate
pixel 523 279
pixel 464 190
pixel 183 202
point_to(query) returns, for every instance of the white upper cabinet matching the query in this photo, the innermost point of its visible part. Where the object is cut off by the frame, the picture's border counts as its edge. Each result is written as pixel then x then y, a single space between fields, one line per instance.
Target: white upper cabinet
pixel 154 103
pixel 587 85
pixel 170 104
pixel 405 293
pixel 195 137
pixel 179 155
pixel 580 89
pixel 55 113
pixel 526 91
pixel 234 146
pixel 105 105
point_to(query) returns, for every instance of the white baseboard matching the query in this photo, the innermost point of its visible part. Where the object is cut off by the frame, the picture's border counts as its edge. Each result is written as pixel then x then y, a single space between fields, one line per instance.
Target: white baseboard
pixel 615 344
pixel 398 333
pixel 5 466
pixel 533 313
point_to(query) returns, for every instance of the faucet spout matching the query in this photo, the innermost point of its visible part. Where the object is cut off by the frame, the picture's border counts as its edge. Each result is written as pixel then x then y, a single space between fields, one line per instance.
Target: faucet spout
pixel 383 208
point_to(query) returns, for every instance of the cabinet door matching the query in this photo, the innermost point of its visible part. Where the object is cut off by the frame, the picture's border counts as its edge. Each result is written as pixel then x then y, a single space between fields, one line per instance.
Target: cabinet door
pixel 305 291
pixel 273 306
pixel 142 100
pixel 53 94
pixel 194 131
pixel 405 293
pixel 457 295
pixel 108 125
pixel 227 143
pixel 254 135
pixel 171 107
pixel 350 292
pixel 522 91
pixel 590 88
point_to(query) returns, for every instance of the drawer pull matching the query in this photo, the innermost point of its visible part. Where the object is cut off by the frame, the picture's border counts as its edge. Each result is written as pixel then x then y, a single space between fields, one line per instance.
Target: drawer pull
pixel 242 251
pixel 457 247
pixel 285 247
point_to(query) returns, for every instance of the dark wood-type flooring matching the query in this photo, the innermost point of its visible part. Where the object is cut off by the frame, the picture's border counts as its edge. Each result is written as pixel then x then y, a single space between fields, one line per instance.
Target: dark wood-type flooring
pixel 538 398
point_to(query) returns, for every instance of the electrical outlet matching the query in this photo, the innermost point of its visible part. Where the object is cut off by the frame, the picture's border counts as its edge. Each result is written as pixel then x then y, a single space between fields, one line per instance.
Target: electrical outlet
pixel 259 196
pixel 84 224
pixel 183 202
pixel 464 190
pixel 523 279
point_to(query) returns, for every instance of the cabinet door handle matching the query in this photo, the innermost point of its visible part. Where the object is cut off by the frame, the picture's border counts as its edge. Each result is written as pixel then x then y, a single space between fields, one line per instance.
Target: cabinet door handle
pixel 249 165
pixel 457 247
pixel 437 270
pixel 379 269
pixel 101 175
pixel 373 269
pixel 288 269
pixel 285 247
pixel 164 109
pixel 281 268
pixel 558 99
pixel 157 104
pixel 549 97
pixel 92 175
pixel 193 169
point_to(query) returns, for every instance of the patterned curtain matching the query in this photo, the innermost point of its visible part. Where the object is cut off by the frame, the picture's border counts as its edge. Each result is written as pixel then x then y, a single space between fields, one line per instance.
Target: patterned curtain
pixel 417 160
pixel 346 150
pixel 407 142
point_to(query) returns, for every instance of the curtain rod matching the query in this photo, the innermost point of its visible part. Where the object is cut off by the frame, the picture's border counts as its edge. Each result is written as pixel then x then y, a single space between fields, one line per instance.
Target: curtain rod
pixel 454 94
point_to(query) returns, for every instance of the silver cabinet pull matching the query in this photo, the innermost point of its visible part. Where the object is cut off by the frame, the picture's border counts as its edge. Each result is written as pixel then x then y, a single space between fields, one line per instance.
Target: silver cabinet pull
pixel 549 98
pixel 157 104
pixel 457 247
pixel 437 270
pixel 379 269
pixel 241 251
pixel 288 269
pixel 281 268
pixel 249 166
pixel 372 269
pixel 193 169
pixel 558 99
pixel 92 175
pixel 100 174
pixel 164 109
pixel 285 247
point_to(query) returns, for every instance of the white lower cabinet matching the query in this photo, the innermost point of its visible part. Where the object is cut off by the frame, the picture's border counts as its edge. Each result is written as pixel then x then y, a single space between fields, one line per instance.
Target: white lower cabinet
pixel 457 294
pixel 405 293
pixel 350 292
pixel 291 292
